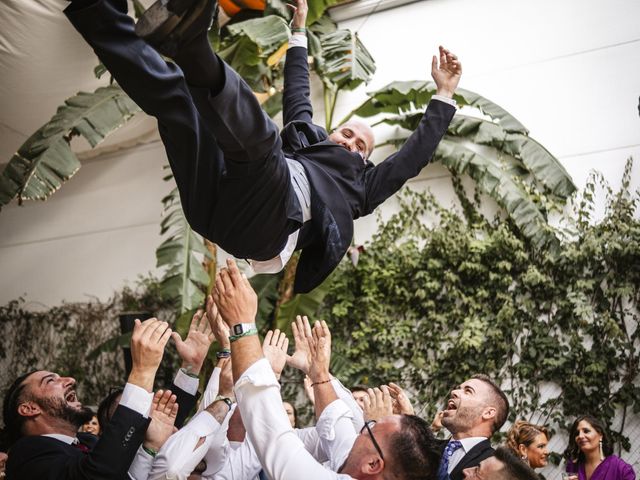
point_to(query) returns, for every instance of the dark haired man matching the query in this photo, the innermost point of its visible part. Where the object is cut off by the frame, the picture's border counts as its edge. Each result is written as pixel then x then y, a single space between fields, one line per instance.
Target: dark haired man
pixel 502 466
pixel 42 414
pixel 258 193
pixel 476 409
pixel 398 446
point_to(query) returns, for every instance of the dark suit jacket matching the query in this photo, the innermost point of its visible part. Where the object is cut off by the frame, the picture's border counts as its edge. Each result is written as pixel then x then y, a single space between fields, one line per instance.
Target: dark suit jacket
pixel 45 458
pixel 473 458
pixel 343 187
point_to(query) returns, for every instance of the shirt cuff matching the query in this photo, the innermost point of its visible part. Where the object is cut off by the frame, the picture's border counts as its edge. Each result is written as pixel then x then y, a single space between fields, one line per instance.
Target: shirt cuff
pixel 185 382
pixel 297 41
pixel 259 374
pixel 137 399
pixel 330 416
pixel 444 99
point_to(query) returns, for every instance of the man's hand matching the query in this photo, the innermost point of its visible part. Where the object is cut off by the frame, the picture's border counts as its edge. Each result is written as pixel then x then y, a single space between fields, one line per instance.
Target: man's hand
pixel 193 350
pixel 447 74
pixel 436 424
pixel 300 10
pixel 308 389
pixel 320 347
pixel 164 410
pixel 234 297
pixel 377 403
pixel 147 347
pixel 274 347
pixel 219 328
pixel 301 358
pixel 401 403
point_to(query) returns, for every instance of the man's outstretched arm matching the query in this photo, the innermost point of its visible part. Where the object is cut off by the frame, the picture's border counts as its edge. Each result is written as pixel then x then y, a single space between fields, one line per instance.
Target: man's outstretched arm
pixel 296 104
pixel 389 176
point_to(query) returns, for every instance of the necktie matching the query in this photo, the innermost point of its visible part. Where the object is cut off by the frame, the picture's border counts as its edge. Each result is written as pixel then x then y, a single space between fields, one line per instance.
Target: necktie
pixel 451 447
pixel 80 446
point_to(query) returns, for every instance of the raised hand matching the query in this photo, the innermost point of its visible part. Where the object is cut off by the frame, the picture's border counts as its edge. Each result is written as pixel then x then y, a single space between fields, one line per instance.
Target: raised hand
pixel 193 350
pixel 274 347
pixel 377 403
pixel 447 74
pixel 219 328
pixel 226 378
pixel 234 296
pixel 164 410
pixel 300 10
pixel 401 403
pixel 320 347
pixel 301 358
pixel 147 348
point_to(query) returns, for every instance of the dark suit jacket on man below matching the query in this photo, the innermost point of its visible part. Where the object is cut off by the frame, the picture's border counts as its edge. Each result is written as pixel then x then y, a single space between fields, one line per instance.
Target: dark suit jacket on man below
pixel 45 458
pixel 473 458
pixel 343 187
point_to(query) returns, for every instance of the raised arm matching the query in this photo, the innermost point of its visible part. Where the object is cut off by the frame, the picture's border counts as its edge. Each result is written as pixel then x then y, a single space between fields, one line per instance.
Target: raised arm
pixel 296 104
pixel 389 176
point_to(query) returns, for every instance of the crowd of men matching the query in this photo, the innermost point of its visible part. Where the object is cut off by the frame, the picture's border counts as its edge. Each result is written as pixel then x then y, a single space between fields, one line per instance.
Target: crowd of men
pixel 240 429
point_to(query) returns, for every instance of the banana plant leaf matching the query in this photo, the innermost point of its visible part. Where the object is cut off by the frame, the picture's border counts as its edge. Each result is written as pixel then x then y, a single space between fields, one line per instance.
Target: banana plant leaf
pixel 185 279
pixel 45 161
pixel 536 160
pixel 407 96
pixel 266 287
pixel 110 345
pixel 491 177
pixel 249 47
pixel 346 61
pixel 317 9
pixel 301 304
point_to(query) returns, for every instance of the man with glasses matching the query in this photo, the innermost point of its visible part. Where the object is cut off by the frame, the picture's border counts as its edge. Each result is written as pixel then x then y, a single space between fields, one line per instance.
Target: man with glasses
pixel 398 444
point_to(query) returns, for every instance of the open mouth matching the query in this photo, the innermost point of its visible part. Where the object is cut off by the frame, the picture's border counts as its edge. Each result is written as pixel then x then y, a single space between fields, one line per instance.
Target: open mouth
pixel 71 397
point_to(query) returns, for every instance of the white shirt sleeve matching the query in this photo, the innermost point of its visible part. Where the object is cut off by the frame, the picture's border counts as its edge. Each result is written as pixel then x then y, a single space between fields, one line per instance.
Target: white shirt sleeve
pixel 258 394
pixel 137 399
pixel 141 465
pixel 180 454
pixel 242 464
pixel 336 433
pixel 297 41
pixel 346 396
pixel 185 382
pixel 211 392
pixel 444 99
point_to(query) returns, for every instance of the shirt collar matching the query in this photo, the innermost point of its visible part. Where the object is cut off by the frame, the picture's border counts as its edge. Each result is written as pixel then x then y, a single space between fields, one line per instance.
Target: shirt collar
pixel 63 438
pixel 470 442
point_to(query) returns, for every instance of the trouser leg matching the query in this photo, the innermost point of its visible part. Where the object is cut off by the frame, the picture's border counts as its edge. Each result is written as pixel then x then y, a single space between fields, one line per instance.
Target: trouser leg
pixel 245 211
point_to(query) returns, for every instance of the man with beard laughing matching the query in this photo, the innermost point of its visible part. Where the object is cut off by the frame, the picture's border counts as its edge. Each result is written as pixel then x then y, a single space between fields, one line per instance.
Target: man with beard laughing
pixel 476 409
pixel 42 414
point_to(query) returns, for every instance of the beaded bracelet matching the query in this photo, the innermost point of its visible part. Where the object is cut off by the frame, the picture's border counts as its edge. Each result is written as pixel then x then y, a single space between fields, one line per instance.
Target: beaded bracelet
pixel 224 353
pixel 320 383
pixel 233 338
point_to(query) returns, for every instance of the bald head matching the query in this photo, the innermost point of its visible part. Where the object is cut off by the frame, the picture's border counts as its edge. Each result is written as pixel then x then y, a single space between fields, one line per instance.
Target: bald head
pixel 355 136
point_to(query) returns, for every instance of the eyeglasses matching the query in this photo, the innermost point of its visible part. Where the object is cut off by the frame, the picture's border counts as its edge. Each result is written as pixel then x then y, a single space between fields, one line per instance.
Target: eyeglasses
pixel 367 426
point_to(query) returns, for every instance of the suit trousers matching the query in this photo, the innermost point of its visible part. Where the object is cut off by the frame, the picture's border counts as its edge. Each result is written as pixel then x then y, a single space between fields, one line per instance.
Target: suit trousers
pixel 224 151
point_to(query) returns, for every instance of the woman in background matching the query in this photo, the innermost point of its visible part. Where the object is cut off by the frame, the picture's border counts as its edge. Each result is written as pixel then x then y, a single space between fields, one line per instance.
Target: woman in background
pixel 529 442
pixel 589 454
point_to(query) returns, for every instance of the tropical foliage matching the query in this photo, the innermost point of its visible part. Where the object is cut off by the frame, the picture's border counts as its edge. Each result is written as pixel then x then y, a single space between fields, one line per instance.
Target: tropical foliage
pixel 487 143
pixel 429 306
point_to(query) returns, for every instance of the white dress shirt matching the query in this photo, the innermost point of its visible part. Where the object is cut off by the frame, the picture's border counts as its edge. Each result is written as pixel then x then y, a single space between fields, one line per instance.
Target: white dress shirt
pixel 281 453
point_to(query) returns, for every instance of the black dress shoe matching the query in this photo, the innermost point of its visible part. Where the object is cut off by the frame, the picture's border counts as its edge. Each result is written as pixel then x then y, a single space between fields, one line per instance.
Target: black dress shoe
pixel 168 24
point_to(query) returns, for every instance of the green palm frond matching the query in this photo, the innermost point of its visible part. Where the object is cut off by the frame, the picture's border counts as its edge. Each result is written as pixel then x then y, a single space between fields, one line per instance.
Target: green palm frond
pixel 45 161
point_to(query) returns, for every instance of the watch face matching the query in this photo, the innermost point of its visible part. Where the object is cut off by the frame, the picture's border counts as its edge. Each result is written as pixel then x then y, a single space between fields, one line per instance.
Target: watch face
pixel 237 329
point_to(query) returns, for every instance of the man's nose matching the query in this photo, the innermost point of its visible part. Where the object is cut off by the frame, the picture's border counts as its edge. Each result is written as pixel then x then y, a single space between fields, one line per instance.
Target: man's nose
pixel 68 381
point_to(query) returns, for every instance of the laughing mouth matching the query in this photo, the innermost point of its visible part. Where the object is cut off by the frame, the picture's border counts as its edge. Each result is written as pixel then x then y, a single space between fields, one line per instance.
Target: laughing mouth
pixel 71 396
pixel 451 405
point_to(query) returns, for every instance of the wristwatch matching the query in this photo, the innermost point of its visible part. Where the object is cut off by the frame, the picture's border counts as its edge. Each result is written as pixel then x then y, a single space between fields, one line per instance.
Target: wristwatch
pixel 242 328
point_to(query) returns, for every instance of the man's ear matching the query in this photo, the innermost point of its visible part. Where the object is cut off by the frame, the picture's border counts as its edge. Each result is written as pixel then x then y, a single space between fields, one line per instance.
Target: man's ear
pixel 372 465
pixel 489 413
pixel 29 409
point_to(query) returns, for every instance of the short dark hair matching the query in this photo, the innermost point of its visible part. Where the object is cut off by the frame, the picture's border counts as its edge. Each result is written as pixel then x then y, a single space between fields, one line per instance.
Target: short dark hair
pixel 573 451
pixel 500 399
pixel 514 468
pixel 414 453
pixel 13 421
pixel 358 388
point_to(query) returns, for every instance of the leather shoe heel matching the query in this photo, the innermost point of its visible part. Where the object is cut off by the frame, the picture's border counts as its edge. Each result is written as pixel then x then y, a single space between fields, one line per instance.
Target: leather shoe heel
pixel 169 23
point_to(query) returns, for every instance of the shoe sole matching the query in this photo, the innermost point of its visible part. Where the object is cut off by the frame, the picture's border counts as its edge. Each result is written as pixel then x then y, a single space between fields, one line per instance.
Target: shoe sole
pixel 165 21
